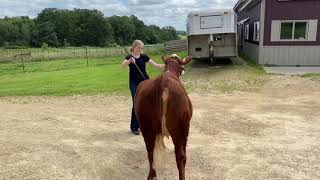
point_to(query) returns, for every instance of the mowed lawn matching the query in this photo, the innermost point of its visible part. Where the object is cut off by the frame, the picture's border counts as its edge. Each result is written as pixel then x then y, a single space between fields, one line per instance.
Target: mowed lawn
pixel 105 75
pixel 67 77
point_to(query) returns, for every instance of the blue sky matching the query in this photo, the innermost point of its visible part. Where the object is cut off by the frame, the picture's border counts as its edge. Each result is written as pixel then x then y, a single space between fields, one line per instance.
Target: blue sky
pixel 158 12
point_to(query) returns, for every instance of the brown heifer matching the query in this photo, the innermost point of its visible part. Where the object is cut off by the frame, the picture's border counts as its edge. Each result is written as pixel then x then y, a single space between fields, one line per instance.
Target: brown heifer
pixel 163 108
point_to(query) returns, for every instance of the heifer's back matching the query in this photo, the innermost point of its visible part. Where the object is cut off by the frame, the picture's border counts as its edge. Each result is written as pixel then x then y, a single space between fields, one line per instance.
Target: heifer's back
pixel 163 100
pixel 163 108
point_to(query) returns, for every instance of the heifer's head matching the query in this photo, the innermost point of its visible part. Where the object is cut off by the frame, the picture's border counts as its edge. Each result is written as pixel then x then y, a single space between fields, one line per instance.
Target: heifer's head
pixel 175 64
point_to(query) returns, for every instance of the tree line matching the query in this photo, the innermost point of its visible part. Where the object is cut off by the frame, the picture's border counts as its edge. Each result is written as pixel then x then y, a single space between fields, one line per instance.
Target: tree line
pixel 79 27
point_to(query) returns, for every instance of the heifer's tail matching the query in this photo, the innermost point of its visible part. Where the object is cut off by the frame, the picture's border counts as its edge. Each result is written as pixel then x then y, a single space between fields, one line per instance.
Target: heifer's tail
pixel 158 152
pixel 159 143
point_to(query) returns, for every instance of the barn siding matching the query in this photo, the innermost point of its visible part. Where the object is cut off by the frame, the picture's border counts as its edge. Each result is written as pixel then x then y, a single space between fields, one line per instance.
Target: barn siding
pixel 290 55
pixel 251 50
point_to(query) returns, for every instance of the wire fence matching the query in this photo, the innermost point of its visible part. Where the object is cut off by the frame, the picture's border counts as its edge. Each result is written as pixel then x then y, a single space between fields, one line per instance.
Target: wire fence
pixel 38 54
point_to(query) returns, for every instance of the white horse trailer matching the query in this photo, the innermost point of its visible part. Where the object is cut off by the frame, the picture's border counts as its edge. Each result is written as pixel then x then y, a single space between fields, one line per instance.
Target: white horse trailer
pixel 212 34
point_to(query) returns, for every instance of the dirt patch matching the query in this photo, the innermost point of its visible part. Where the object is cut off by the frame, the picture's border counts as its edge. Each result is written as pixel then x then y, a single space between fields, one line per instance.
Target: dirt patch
pixel 270 133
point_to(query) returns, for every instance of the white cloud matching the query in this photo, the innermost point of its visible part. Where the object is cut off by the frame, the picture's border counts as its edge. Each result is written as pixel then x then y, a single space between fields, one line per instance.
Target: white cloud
pixel 145 2
pixel 158 12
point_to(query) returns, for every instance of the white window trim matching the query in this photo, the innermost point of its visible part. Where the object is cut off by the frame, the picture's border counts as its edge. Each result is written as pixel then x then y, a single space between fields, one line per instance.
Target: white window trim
pixel 293 30
pixel 246 32
pixel 254 31
pixel 245 5
pixel 243 21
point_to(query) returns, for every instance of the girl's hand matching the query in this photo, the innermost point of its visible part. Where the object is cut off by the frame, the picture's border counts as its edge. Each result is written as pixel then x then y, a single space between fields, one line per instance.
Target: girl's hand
pixel 132 60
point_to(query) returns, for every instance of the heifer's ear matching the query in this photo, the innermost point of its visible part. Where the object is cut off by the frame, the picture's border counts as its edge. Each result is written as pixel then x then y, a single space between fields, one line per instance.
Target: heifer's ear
pixel 164 59
pixel 187 60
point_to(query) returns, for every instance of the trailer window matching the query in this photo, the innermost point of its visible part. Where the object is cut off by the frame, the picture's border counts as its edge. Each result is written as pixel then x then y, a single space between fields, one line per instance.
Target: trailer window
pixel 215 21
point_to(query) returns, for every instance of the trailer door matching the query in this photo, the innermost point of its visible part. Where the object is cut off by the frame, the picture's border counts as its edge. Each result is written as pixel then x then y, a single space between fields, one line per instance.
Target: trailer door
pixel 214 21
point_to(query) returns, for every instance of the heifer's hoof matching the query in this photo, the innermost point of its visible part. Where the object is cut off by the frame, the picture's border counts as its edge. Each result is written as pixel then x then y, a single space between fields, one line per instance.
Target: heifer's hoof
pixel 152 178
pixel 137 132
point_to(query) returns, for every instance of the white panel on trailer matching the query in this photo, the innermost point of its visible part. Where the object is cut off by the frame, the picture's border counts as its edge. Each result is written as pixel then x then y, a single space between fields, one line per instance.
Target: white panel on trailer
pixel 211 22
pixel 215 22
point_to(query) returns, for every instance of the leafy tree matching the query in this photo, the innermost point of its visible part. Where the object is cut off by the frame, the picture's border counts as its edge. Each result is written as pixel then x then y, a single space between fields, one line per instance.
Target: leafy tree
pixel 78 27
pixel 123 28
pixel 44 33
pixel 44 46
pixel 168 33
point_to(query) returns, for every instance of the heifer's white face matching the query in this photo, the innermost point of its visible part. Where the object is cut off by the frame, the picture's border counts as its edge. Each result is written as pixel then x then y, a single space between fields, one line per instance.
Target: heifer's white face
pixel 174 55
pixel 175 64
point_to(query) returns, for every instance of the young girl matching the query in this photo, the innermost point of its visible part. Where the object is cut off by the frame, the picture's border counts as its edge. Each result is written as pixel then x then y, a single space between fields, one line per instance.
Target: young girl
pixel 137 59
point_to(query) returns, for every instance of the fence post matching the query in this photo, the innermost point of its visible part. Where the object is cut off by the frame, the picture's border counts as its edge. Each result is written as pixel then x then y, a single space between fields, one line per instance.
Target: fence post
pixel 42 54
pixel 8 55
pixel 22 61
pixel 87 55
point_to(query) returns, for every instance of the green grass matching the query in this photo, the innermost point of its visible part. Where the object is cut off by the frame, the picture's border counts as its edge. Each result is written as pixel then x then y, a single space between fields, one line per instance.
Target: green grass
pixel 182 36
pixel 223 79
pixel 315 76
pixel 105 76
pixel 68 77
pixel 252 63
pixel 226 78
pixel 56 65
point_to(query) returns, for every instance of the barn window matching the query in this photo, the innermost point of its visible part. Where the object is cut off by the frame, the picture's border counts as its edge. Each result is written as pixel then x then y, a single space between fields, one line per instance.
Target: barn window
pixel 300 30
pixel 293 30
pixel 246 32
pixel 256 34
pixel 286 30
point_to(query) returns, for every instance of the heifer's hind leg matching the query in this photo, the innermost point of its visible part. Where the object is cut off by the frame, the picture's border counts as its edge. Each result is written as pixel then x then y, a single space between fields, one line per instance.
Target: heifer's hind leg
pixel 150 143
pixel 181 158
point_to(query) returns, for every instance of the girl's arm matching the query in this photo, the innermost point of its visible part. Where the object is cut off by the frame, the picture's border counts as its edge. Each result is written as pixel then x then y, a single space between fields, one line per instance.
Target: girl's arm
pixel 155 65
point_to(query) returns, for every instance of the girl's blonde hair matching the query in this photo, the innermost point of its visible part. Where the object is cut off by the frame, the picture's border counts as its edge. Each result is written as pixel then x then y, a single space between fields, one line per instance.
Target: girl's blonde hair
pixel 135 43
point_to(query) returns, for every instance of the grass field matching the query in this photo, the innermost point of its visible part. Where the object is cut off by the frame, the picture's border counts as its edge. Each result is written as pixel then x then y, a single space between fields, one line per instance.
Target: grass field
pixel 66 77
pixel 182 36
pixel 104 75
